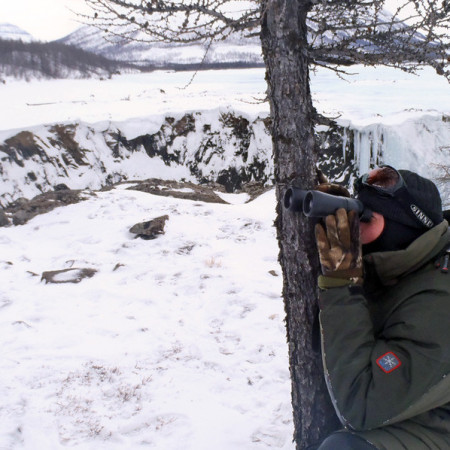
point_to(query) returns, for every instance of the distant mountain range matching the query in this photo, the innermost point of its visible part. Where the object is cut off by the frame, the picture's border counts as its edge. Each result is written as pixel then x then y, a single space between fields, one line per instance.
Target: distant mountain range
pixel 109 52
pixel 91 52
pixel 24 57
pixel 14 33
pixel 125 43
pixel 40 60
pixel 235 50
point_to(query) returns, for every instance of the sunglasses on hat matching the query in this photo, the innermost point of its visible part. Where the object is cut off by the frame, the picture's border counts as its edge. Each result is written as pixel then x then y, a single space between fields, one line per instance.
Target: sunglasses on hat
pixel 385 180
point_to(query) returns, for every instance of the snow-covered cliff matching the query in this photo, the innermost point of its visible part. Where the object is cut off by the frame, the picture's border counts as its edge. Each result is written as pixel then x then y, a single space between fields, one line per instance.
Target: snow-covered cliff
pixel 89 134
pixel 220 146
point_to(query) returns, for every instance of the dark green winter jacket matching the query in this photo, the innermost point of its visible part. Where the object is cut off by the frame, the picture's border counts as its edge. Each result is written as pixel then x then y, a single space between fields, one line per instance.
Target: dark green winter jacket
pixel 386 347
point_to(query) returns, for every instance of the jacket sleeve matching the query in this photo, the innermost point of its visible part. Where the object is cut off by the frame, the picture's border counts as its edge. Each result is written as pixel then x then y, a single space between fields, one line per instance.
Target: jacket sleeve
pixel 373 379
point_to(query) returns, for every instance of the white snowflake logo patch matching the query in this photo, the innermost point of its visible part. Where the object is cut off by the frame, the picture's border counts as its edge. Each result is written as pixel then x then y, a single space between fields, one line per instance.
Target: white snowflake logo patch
pixel 388 362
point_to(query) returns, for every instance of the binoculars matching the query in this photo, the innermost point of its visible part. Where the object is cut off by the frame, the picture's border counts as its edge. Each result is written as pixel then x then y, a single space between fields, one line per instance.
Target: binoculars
pixel 320 204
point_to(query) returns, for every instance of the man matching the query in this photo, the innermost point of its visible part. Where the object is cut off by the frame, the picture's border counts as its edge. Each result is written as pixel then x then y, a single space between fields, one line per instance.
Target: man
pixel 385 316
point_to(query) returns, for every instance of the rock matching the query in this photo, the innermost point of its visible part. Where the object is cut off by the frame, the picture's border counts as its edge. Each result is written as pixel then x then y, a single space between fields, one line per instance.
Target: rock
pixel 73 275
pixel 22 216
pixel 254 189
pixel 150 229
pixel 180 189
pixel 230 149
pixel 22 210
pixel 4 221
pixel 61 187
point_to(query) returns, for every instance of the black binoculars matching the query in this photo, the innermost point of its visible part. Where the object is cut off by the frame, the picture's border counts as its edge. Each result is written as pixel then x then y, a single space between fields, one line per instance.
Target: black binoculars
pixel 320 204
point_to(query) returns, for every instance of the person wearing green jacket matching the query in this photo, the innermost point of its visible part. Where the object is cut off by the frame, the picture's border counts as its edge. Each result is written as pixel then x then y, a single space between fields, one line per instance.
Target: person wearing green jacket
pixel 385 316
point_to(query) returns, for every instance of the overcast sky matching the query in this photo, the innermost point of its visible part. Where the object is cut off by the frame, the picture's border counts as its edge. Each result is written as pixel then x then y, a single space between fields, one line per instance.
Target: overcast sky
pixel 43 19
pixel 50 19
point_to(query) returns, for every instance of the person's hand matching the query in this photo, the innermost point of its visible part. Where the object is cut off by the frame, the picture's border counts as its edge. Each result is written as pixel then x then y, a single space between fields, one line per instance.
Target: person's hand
pixel 340 249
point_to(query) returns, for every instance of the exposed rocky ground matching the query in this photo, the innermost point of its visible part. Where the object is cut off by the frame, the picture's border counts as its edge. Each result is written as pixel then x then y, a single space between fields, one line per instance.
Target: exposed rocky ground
pixel 223 148
pixel 22 210
pixel 62 164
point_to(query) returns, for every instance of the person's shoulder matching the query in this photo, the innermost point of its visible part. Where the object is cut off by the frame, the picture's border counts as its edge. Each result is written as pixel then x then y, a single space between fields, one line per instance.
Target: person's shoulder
pixel 431 277
pixel 427 285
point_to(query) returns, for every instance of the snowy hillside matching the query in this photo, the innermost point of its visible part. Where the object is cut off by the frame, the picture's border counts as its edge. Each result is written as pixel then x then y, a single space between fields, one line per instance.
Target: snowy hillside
pixel 134 49
pixel 128 42
pixel 42 60
pixel 12 32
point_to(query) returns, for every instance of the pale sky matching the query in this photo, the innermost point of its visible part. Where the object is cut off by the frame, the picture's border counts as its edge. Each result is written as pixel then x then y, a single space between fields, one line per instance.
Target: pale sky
pixel 43 19
pixel 47 20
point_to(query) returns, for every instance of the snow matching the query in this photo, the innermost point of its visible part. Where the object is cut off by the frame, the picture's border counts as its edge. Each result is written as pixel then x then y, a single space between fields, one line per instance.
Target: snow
pixel 128 96
pixel 71 276
pixel 380 95
pixel 396 117
pixel 132 44
pixel 373 95
pixel 178 342
pixel 14 33
pixel 234 199
pixel 419 144
pixel 210 153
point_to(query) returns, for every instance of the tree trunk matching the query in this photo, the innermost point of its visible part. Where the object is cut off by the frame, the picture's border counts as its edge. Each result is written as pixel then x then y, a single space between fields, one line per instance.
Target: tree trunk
pixel 284 43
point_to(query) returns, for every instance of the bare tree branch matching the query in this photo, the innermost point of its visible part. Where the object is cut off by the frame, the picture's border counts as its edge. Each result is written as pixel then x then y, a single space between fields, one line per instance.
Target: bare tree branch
pixel 341 32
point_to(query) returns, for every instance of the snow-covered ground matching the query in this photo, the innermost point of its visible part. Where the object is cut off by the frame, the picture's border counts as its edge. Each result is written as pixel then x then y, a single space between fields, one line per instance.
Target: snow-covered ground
pixel 399 118
pixel 378 95
pixel 175 343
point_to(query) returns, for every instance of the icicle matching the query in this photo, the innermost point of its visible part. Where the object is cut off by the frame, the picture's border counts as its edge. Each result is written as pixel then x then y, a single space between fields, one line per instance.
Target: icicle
pixel 377 142
pixel 344 144
pixel 363 145
pixel 357 148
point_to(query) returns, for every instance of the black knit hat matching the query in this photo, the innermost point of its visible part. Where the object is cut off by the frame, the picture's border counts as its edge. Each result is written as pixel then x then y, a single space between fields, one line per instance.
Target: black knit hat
pixel 401 196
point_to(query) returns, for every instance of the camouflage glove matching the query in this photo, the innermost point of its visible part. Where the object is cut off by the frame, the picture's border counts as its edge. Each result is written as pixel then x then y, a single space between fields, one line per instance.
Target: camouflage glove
pixel 340 250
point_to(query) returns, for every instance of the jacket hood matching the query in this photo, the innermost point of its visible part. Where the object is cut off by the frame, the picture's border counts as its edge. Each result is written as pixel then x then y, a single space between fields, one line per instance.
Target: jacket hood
pixel 392 265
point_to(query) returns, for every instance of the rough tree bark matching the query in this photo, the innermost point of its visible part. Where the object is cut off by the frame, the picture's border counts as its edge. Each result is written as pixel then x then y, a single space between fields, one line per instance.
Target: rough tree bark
pixel 295 163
